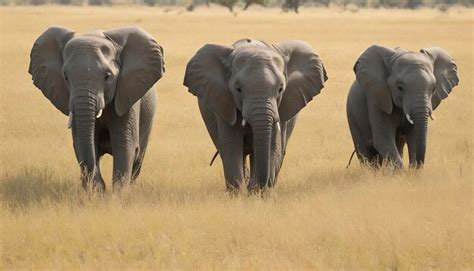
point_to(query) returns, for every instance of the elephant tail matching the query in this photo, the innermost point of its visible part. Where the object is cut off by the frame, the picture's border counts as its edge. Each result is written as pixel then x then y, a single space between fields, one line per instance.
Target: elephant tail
pixel 214 158
pixel 350 159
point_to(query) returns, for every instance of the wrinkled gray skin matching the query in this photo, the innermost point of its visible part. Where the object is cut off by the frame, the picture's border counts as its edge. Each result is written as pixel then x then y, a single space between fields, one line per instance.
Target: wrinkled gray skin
pixel 249 95
pixel 103 80
pixel 389 103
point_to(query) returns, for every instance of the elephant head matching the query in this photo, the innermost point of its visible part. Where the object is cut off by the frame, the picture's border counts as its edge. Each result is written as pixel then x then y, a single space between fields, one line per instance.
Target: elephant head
pixel 415 82
pixel 258 83
pixel 81 74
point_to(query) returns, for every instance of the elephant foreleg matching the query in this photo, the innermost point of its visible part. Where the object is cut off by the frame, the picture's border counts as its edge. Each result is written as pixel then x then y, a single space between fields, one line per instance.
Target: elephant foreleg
pixel 125 146
pixel 231 152
pixel 388 151
pixel 384 138
pixel 91 180
pixel 123 165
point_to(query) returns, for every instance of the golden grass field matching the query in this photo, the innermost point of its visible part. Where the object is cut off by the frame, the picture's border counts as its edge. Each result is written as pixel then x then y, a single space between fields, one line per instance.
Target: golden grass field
pixel 177 216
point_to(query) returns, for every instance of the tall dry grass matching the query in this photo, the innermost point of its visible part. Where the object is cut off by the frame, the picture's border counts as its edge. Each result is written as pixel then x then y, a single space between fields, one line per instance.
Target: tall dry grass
pixel 177 216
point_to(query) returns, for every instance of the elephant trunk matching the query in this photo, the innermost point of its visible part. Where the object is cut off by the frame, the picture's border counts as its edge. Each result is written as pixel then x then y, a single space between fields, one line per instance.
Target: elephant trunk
pixel 421 130
pixel 84 110
pixel 262 125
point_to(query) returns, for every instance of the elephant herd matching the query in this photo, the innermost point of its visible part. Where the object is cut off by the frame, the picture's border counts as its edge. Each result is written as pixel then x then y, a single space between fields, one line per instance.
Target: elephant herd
pixel 249 95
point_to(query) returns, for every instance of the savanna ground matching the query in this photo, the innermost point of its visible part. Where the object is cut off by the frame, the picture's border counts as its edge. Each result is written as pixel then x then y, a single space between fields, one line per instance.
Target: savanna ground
pixel 178 216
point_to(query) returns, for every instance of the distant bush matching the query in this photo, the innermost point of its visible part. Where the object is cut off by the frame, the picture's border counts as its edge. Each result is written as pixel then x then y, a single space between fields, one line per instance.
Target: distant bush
pixel 100 2
pixel 149 2
pixel 38 2
pixel 226 3
pixel 286 5
pixel 248 3
pixel 65 2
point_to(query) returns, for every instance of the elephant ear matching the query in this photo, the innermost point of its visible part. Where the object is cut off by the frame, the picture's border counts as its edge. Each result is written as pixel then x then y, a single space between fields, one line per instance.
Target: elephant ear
pixel 141 65
pixel 306 76
pixel 206 77
pixel 371 73
pixel 46 63
pixel 445 72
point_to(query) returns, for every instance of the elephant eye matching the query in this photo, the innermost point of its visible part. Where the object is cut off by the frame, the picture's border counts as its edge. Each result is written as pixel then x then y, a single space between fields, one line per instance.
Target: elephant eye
pixel 107 76
pixel 400 88
pixel 238 89
pixel 65 77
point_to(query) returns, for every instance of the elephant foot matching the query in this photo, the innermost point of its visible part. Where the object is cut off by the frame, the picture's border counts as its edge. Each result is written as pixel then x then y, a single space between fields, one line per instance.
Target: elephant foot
pixel 121 179
pixel 232 192
pixel 92 181
pixel 260 193
pixel 118 186
pixel 416 165
pixel 233 188
pixel 93 185
pixel 254 188
pixel 396 165
pixel 121 183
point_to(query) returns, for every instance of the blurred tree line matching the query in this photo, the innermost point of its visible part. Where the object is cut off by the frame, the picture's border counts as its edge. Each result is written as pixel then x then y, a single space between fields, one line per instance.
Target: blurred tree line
pixel 286 5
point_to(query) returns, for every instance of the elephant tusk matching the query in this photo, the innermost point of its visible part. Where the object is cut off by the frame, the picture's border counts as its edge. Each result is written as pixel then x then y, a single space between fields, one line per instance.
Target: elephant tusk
pixel 409 119
pixel 69 121
pixel 278 126
pixel 99 114
pixel 432 117
pixel 243 122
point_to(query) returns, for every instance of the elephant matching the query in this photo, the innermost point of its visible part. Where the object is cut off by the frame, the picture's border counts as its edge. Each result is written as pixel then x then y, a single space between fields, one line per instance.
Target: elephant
pixel 103 81
pixel 389 102
pixel 249 95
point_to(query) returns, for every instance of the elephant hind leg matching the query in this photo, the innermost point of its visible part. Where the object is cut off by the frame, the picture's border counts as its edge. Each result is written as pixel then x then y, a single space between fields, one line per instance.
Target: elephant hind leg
pixel 137 165
pixel 139 157
pixel 365 152
pixel 369 155
pixel 147 112
pixel 363 145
